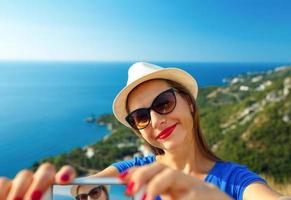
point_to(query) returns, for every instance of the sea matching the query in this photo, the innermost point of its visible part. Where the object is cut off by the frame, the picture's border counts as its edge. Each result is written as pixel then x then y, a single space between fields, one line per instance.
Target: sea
pixel 43 105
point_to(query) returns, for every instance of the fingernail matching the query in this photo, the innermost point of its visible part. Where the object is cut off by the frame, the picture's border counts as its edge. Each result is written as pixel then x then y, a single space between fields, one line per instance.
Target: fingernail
pixel 65 177
pixel 123 174
pixel 129 188
pixel 18 198
pixel 144 196
pixel 36 195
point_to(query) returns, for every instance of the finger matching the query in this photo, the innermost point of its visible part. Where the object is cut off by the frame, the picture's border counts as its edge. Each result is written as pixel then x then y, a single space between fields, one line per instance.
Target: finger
pixel 169 182
pixel 5 185
pixel 42 179
pixel 141 175
pixel 20 184
pixel 157 185
pixel 65 175
pixel 127 174
pixel 190 195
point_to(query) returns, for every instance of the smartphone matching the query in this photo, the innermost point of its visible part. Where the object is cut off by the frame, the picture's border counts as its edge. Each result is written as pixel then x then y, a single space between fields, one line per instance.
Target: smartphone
pixel 97 188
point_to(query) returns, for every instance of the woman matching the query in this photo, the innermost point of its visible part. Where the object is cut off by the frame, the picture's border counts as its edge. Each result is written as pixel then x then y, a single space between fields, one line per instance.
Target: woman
pixel 159 105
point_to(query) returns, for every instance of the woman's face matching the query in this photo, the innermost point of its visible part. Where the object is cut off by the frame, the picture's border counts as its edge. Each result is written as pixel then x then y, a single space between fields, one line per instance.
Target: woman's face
pixel 176 125
pixel 96 194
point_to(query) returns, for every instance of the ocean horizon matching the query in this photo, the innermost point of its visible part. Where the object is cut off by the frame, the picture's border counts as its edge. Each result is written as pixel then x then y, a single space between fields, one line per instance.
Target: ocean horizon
pixel 43 104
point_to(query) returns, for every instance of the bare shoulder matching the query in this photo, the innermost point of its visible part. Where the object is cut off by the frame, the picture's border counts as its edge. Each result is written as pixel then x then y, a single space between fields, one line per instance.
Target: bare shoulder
pixel 258 190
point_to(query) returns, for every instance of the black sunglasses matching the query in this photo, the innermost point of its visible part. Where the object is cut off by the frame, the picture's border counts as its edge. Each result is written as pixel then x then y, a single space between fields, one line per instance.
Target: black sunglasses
pixel 94 193
pixel 163 104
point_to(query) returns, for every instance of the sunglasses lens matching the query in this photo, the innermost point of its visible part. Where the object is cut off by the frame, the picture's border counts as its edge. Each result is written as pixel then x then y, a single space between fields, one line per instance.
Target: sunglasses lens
pixel 165 102
pixel 95 193
pixel 140 118
pixel 82 197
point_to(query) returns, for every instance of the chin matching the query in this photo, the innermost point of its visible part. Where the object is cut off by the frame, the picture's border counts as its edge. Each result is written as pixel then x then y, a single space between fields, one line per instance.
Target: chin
pixel 173 144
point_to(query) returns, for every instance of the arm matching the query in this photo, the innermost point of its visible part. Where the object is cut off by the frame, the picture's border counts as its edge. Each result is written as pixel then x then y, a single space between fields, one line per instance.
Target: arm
pixel 110 171
pixel 260 191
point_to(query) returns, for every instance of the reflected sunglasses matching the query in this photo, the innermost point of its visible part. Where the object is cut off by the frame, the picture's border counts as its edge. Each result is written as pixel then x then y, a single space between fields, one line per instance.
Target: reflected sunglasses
pixel 94 193
pixel 163 104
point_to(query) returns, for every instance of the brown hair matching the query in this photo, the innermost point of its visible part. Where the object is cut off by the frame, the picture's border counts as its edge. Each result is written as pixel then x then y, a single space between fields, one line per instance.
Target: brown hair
pixel 197 132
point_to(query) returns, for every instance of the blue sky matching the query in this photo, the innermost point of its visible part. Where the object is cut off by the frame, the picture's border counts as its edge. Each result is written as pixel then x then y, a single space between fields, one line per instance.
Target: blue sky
pixel 152 30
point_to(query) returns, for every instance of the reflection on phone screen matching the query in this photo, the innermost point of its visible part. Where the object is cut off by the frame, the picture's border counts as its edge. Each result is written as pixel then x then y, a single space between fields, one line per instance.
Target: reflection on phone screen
pixel 90 192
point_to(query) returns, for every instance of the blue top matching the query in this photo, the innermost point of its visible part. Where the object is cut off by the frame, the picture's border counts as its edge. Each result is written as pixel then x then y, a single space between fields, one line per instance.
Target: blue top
pixel 229 177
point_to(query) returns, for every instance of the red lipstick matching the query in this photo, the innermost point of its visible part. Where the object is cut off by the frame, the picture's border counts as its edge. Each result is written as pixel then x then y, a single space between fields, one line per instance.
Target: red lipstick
pixel 166 132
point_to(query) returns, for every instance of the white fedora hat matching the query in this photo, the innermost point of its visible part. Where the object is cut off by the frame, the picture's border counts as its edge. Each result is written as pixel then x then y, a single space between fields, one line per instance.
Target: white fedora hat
pixel 140 72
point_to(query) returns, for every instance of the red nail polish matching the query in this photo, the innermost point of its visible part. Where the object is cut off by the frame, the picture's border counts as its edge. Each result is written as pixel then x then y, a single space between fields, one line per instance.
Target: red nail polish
pixel 65 177
pixel 36 195
pixel 129 188
pixel 18 198
pixel 144 196
pixel 123 175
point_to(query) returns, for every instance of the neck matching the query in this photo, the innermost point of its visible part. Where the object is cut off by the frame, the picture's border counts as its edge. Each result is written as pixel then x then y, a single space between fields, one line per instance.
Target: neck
pixel 189 162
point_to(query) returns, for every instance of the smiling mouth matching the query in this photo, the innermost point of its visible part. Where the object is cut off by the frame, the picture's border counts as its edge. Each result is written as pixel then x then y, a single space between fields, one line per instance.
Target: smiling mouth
pixel 166 132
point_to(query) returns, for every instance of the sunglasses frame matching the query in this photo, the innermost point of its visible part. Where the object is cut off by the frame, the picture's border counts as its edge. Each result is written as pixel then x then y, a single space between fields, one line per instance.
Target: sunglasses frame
pixel 88 194
pixel 127 118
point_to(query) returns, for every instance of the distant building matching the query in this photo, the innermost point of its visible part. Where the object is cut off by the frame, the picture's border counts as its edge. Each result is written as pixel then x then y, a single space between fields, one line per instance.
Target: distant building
pixel 90 152
pixel 145 150
pixel 257 79
pixel 264 85
pixel 287 86
pixel 235 80
pixel 244 88
pixel 271 96
pixel 127 144
pixel 286 118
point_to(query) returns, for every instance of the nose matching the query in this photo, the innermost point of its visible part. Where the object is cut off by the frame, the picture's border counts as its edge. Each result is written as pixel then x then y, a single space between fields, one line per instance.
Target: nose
pixel 158 121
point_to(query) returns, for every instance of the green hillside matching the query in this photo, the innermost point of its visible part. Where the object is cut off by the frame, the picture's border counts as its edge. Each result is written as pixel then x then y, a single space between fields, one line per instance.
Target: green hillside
pixel 249 121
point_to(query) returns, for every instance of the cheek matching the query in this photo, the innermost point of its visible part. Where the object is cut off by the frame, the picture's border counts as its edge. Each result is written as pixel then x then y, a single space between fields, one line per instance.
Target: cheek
pixel 188 120
pixel 183 114
pixel 147 135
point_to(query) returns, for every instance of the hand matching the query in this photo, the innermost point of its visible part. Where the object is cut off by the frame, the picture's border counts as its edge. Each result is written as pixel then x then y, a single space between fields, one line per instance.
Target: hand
pixel 27 185
pixel 171 184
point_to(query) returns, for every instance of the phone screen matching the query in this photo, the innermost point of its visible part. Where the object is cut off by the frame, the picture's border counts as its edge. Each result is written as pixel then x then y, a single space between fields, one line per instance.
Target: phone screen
pixel 94 191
